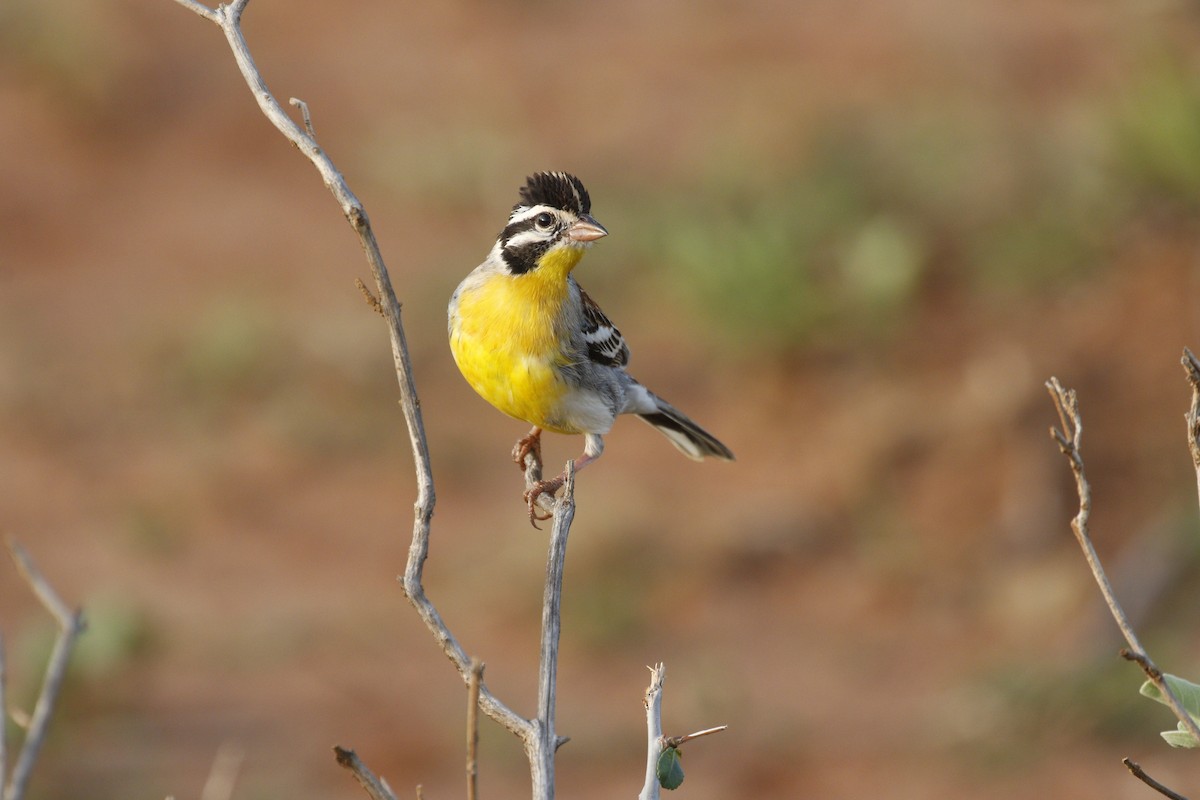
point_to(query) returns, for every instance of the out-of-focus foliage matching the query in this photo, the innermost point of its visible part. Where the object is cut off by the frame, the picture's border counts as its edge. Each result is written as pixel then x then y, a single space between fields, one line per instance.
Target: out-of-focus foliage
pixel 1158 136
pixel 837 244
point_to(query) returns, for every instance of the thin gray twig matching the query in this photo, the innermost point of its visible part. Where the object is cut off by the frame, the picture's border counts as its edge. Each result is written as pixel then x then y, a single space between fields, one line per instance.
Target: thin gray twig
pixel 1069 439
pixel 538 736
pixel 71 625
pixel 545 742
pixel 375 788
pixel 228 18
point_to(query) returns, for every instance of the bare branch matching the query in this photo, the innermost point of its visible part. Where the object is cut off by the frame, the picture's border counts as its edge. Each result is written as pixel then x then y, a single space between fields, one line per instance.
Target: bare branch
pixel 676 741
pixel 654 735
pixel 542 746
pixel 228 18
pixel 1069 439
pixel 491 706
pixel 473 728
pixel 376 789
pixel 70 625
pixel 1141 775
pixel 1142 660
pixel 46 595
pixel 1191 367
pixel 538 735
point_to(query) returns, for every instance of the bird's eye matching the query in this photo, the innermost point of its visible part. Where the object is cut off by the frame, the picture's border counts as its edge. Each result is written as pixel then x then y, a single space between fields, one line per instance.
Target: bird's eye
pixel 544 221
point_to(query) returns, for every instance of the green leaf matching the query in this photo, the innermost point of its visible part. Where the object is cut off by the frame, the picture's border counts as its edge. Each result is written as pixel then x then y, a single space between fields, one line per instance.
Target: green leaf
pixel 1180 737
pixel 670 768
pixel 1188 694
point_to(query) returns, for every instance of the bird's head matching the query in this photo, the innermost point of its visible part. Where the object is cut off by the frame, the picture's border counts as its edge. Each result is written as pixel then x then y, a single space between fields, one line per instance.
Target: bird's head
pixel 551 226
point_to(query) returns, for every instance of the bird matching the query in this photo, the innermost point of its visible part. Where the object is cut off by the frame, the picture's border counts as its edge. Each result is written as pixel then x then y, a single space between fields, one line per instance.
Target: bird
pixel 530 341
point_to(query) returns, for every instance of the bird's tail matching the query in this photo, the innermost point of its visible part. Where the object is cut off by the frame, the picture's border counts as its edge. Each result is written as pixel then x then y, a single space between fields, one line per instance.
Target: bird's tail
pixel 691 440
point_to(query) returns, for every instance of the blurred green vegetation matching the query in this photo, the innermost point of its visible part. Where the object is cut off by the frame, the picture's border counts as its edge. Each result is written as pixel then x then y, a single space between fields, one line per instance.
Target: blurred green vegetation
pixel 235 358
pixel 611 591
pixel 72 49
pixel 840 243
pixel 118 633
pixel 1158 136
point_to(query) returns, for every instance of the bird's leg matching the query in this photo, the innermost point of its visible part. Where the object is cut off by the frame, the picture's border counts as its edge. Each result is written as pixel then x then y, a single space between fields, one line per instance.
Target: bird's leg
pixel 592 448
pixel 530 444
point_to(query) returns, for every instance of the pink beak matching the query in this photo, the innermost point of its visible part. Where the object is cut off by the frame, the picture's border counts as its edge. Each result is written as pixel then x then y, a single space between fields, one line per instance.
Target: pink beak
pixel 586 230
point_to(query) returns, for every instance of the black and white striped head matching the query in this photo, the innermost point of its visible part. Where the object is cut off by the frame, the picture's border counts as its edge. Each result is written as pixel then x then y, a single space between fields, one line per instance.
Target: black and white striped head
pixel 553 216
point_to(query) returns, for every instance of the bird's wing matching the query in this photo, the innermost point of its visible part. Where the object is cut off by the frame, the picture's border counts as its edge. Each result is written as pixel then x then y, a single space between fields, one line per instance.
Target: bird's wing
pixel 605 343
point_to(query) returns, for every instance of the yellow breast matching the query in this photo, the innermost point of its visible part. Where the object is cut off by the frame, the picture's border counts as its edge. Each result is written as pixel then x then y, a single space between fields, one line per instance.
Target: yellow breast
pixel 508 344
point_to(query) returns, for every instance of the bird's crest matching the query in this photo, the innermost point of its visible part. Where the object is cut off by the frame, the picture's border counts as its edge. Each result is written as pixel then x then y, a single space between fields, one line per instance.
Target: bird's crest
pixel 556 189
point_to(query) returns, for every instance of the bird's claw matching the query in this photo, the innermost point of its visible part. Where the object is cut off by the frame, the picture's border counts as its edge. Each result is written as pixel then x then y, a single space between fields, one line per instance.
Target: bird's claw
pixel 535 492
pixel 526 446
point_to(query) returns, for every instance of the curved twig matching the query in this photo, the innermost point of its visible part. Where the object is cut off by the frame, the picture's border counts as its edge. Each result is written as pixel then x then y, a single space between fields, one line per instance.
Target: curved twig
pixel 1139 773
pixel 375 788
pixel 537 735
pixel 1069 438
pixel 228 18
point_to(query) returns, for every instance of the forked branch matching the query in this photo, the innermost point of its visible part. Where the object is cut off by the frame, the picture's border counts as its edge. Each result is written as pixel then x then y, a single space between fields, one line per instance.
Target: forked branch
pixel 1069 438
pixel 537 734
pixel 228 18
pixel 70 626
pixel 656 743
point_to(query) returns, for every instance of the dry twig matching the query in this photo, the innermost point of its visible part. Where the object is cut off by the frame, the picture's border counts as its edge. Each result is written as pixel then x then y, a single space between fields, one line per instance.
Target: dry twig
pixel 545 742
pixel 1191 367
pixel 537 735
pixel 656 743
pixel 654 734
pixel 676 741
pixel 1139 773
pixel 228 18
pixel 70 626
pixel 473 728
pixel 375 788
pixel 1069 438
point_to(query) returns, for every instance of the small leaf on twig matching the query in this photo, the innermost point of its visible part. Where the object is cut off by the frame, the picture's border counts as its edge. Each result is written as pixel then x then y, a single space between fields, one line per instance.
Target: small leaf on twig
pixel 670 768
pixel 1189 697
pixel 1180 737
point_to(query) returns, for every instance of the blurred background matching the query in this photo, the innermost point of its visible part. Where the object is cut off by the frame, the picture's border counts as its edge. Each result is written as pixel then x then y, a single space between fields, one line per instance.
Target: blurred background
pixel 851 239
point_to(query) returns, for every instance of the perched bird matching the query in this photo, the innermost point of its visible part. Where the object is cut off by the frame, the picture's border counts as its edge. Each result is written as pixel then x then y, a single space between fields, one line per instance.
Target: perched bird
pixel 532 343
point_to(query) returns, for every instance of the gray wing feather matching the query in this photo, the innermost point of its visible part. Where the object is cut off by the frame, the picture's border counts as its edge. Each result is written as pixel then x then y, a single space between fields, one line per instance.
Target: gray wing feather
pixel 605 344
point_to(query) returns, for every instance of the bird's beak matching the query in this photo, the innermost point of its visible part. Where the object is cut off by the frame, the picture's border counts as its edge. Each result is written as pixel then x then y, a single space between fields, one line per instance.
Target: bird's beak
pixel 585 230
